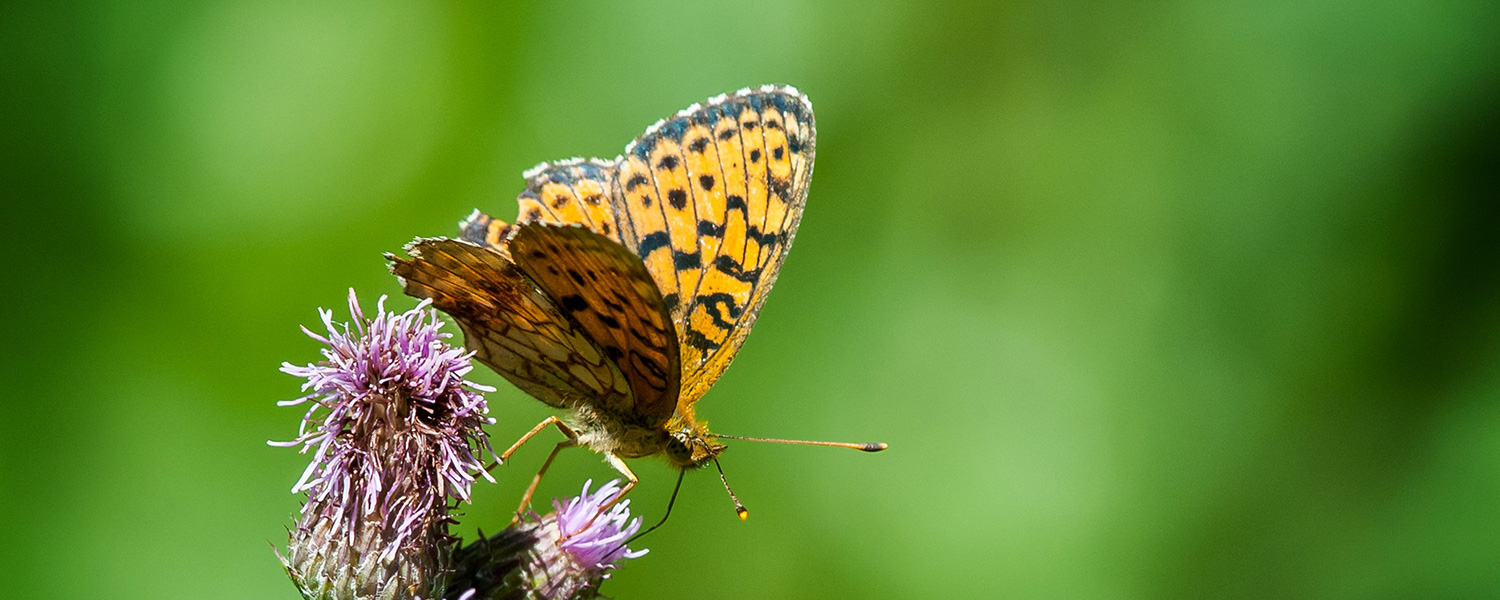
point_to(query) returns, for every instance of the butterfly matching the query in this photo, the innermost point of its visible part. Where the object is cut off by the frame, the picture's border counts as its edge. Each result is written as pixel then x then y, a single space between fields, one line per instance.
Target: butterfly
pixel 627 286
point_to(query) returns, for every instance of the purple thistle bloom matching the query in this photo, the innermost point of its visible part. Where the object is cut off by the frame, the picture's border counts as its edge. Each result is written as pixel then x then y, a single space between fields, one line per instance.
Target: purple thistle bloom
pixel 396 434
pixel 601 544
pixel 557 557
pixel 572 556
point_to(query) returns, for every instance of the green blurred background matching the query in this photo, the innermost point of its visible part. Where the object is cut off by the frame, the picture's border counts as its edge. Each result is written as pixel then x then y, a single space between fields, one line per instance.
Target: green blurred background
pixel 1160 300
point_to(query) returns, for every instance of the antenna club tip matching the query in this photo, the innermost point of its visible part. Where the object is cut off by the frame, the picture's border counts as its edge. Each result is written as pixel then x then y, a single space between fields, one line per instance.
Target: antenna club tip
pixel 875 447
pixel 743 512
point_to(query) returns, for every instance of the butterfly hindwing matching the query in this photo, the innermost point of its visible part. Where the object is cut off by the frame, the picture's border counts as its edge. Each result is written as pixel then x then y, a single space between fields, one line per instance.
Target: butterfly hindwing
pixel 510 325
pixel 604 288
pixel 571 191
pixel 484 230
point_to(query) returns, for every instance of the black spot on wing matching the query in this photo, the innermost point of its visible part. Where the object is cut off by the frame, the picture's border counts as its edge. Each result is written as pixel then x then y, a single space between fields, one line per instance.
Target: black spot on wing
pixel 637 180
pixel 721 308
pixel 574 303
pixel 711 229
pixel 652 242
pixel 755 155
pixel 732 268
pixel 667 162
pixel 764 239
pixel 686 260
pixel 697 340
pixel 780 186
pixel 677 198
pixel 698 145
pixel 671 300
pixel 706 182
pixel 727 133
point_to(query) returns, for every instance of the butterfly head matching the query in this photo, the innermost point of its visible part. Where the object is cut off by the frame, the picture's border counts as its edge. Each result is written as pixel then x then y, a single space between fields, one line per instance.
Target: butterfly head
pixel 690 448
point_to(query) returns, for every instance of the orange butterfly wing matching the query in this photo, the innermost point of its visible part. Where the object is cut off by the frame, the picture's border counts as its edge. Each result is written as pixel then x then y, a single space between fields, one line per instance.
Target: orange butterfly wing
pixel 710 201
pixel 571 191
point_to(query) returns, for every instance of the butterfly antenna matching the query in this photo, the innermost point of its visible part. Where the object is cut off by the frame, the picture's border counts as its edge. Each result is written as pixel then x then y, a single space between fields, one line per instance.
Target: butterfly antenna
pixel 663 520
pixel 870 447
pixel 739 509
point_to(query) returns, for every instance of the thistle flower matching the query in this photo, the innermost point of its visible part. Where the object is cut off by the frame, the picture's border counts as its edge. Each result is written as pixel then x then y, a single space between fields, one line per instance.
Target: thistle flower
pixel 395 431
pixel 556 557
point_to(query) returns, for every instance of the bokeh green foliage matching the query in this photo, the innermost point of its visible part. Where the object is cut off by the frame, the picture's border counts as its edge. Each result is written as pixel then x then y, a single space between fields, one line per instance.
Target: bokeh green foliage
pixel 1151 300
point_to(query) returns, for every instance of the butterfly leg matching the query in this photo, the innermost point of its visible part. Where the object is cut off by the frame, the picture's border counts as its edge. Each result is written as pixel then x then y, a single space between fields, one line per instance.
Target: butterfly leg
pixel 535 481
pixel 630 481
pixel 553 420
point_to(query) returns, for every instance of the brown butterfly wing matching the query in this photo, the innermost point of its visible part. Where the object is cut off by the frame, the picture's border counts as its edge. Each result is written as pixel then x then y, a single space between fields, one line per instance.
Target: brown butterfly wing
pixel 710 200
pixel 510 325
pixel 604 288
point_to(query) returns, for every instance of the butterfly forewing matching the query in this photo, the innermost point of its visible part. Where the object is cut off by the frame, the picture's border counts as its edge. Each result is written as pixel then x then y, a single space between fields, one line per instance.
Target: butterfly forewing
pixel 606 290
pixel 510 325
pixel 711 199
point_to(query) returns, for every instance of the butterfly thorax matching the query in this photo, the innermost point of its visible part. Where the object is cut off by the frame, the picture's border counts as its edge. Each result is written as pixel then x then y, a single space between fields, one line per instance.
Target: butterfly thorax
pixel 608 433
pixel 683 443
